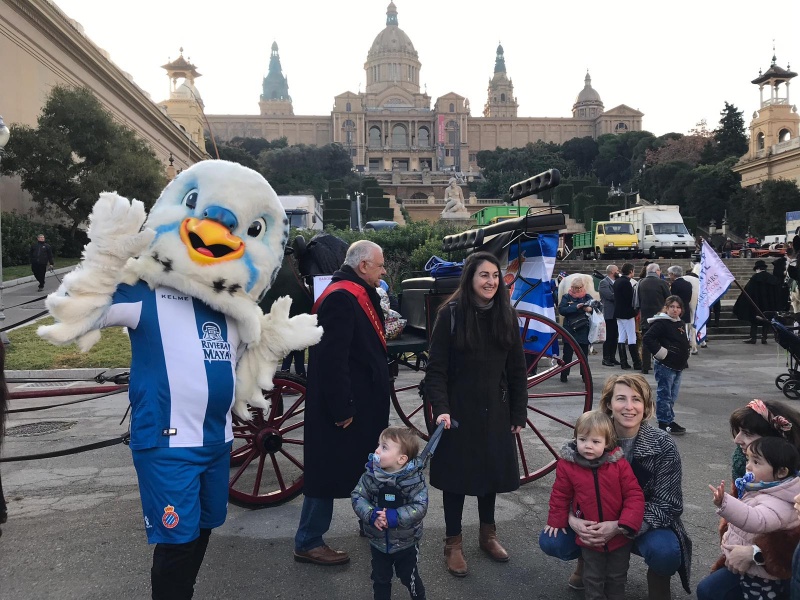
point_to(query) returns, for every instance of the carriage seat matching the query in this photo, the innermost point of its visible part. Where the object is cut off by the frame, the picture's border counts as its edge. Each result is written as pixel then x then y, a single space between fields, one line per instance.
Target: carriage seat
pixel 413 304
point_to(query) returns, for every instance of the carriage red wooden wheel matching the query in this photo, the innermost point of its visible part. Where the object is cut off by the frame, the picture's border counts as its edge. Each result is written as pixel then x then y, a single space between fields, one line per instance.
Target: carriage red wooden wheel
pixel 267 453
pixel 405 395
pixel 553 406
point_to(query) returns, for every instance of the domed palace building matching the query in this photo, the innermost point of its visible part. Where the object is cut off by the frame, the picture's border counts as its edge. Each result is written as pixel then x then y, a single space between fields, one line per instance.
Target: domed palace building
pixel 393 127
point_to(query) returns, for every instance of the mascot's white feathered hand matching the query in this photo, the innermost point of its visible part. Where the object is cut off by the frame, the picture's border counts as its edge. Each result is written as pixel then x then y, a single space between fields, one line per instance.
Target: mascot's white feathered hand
pixel 280 335
pixel 115 234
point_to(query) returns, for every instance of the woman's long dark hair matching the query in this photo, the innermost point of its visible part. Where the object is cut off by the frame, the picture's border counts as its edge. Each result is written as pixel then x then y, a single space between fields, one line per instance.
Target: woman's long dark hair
pixel 503 324
pixel 3 393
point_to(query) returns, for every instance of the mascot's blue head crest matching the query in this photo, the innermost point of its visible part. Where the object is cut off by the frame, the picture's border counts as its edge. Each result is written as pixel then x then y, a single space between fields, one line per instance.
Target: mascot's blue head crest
pixel 220 234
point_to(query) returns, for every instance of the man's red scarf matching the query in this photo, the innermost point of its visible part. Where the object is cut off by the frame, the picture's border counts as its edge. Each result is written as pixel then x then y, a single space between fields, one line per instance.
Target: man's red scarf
pixel 363 301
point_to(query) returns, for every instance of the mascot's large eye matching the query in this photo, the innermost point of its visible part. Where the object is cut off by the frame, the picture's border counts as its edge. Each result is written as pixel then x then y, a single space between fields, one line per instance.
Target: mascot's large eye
pixel 190 199
pixel 256 228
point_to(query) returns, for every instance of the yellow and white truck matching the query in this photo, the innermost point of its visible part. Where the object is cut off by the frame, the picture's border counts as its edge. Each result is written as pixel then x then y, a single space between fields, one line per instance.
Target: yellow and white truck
pixel 606 239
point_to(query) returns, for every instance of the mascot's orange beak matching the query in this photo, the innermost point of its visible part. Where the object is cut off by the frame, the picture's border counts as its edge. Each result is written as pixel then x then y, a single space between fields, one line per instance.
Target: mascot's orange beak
pixel 210 242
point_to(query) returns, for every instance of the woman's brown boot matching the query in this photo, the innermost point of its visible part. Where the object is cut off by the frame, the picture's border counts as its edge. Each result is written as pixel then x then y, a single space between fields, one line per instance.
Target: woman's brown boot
pixel 454 556
pixel 489 544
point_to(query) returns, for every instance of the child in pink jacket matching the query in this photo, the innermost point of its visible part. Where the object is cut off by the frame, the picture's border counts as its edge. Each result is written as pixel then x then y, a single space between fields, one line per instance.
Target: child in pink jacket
pixel 765 504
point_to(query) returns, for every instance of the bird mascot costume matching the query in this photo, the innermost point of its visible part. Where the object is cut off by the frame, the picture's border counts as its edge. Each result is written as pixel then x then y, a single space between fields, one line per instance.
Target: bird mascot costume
pixel 186 283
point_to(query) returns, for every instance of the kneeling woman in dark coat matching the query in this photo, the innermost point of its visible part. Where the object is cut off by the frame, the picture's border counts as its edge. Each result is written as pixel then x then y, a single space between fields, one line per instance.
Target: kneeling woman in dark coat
pixel 476 376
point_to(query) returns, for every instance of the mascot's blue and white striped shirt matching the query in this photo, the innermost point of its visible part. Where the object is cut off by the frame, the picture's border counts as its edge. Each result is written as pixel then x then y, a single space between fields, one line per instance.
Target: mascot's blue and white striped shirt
pixel 184 367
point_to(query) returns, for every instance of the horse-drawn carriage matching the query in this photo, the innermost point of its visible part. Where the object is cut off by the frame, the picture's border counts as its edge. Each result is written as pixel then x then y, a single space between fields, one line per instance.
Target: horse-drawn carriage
pixel 267 456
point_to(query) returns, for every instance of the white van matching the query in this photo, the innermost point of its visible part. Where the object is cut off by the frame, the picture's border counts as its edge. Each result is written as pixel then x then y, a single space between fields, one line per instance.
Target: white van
pixel 660 229
pixel 773 239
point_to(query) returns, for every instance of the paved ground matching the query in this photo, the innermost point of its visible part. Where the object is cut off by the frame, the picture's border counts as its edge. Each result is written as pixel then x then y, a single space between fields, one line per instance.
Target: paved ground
pixel 75 528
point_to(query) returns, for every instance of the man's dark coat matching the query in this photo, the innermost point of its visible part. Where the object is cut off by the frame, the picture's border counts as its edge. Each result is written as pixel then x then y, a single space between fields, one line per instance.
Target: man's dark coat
pixel 764 288
pixel 348 376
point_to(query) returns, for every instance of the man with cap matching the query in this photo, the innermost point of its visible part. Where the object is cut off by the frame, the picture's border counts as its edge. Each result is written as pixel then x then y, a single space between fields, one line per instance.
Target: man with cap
pixel 41 256
pixel 764 290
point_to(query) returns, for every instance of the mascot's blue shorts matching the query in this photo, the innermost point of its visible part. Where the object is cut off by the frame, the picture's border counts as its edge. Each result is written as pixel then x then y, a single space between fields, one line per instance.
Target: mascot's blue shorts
pixel 182 490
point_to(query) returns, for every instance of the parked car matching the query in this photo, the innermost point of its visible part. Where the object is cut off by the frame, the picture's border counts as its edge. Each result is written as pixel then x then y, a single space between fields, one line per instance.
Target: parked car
pixel 379 225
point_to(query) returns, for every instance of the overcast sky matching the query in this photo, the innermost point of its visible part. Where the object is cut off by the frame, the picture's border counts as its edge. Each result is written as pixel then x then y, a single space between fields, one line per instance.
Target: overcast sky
pixel 676 62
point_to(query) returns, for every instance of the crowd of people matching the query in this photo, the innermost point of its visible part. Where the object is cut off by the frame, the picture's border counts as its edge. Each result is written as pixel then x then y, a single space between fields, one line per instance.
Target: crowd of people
pixel 618 481
pixel 618 484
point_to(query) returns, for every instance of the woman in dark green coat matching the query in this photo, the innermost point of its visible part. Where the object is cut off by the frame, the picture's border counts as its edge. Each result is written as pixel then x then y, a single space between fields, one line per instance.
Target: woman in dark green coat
pixel 476 377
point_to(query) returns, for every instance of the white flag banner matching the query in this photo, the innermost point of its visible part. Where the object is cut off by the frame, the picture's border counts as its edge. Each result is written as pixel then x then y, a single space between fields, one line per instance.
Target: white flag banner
pixel 715 279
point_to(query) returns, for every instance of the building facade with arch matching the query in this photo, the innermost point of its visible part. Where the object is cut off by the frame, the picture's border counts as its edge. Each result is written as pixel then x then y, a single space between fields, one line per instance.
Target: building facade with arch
pixel 43 47
pixel 394 125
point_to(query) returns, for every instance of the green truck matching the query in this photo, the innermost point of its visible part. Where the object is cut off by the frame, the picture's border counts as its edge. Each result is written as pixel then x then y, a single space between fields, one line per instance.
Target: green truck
pixel 606 239
pixel 495 214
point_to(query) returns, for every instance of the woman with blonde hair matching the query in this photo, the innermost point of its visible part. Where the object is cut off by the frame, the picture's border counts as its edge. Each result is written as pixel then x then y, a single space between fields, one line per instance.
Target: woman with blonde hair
pixel 662 540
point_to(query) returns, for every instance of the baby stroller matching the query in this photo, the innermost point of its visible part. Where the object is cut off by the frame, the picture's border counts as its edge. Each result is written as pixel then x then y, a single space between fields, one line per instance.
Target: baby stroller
pixel 784 326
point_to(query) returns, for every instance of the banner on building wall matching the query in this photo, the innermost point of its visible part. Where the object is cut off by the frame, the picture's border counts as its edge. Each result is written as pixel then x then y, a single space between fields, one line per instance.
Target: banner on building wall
pixel 440 137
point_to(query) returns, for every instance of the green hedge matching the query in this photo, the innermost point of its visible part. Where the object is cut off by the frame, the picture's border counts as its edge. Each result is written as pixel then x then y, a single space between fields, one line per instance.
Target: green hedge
pixel 336 224
pixel 405 249
pixel 380 214
pixel 335 213
pixel 374 193
pixel 691 224
pixel 337 204
pixel 20 231
pixel 598 193
pixel 563 195
pixel 579 184
pixel 598 212
pixel 377 203
pixel 579 204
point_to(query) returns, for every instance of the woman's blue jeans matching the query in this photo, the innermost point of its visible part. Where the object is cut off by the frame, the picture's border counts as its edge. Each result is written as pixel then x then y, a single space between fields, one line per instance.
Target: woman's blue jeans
pixel 669 384
pixel 659 548
pixel 722 584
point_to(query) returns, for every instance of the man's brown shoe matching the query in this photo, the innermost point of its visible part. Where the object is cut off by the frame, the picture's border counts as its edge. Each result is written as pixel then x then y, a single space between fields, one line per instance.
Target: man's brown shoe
pixel 322 555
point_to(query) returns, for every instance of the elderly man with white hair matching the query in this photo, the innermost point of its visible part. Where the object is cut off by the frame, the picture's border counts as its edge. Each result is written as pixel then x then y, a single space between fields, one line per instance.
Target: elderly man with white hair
pixel 347 398
pixel 651 294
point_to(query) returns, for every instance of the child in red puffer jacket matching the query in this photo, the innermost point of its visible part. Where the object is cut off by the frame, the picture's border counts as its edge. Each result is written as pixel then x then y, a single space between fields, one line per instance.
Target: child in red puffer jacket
pixel 595 481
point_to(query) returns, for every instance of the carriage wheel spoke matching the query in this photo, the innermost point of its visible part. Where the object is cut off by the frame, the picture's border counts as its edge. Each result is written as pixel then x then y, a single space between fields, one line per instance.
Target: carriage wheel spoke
pixel 291 458
pixel 278 473
pixel 259 472
pixel 290 412
pixel 546 396
pixel 416 410
pixel 286 430
pixel 552 417
pixel 295 442
pixel 404 389
pixel 242 468
pixel 521 452
pixel 237 452
pixel 544 441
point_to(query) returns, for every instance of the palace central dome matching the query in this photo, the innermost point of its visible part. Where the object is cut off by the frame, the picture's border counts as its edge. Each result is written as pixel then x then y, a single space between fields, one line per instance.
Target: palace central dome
pixel 392 40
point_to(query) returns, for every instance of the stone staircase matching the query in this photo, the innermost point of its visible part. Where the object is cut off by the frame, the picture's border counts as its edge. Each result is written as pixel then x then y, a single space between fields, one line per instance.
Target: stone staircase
pixel 398 214
pixel 730 328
